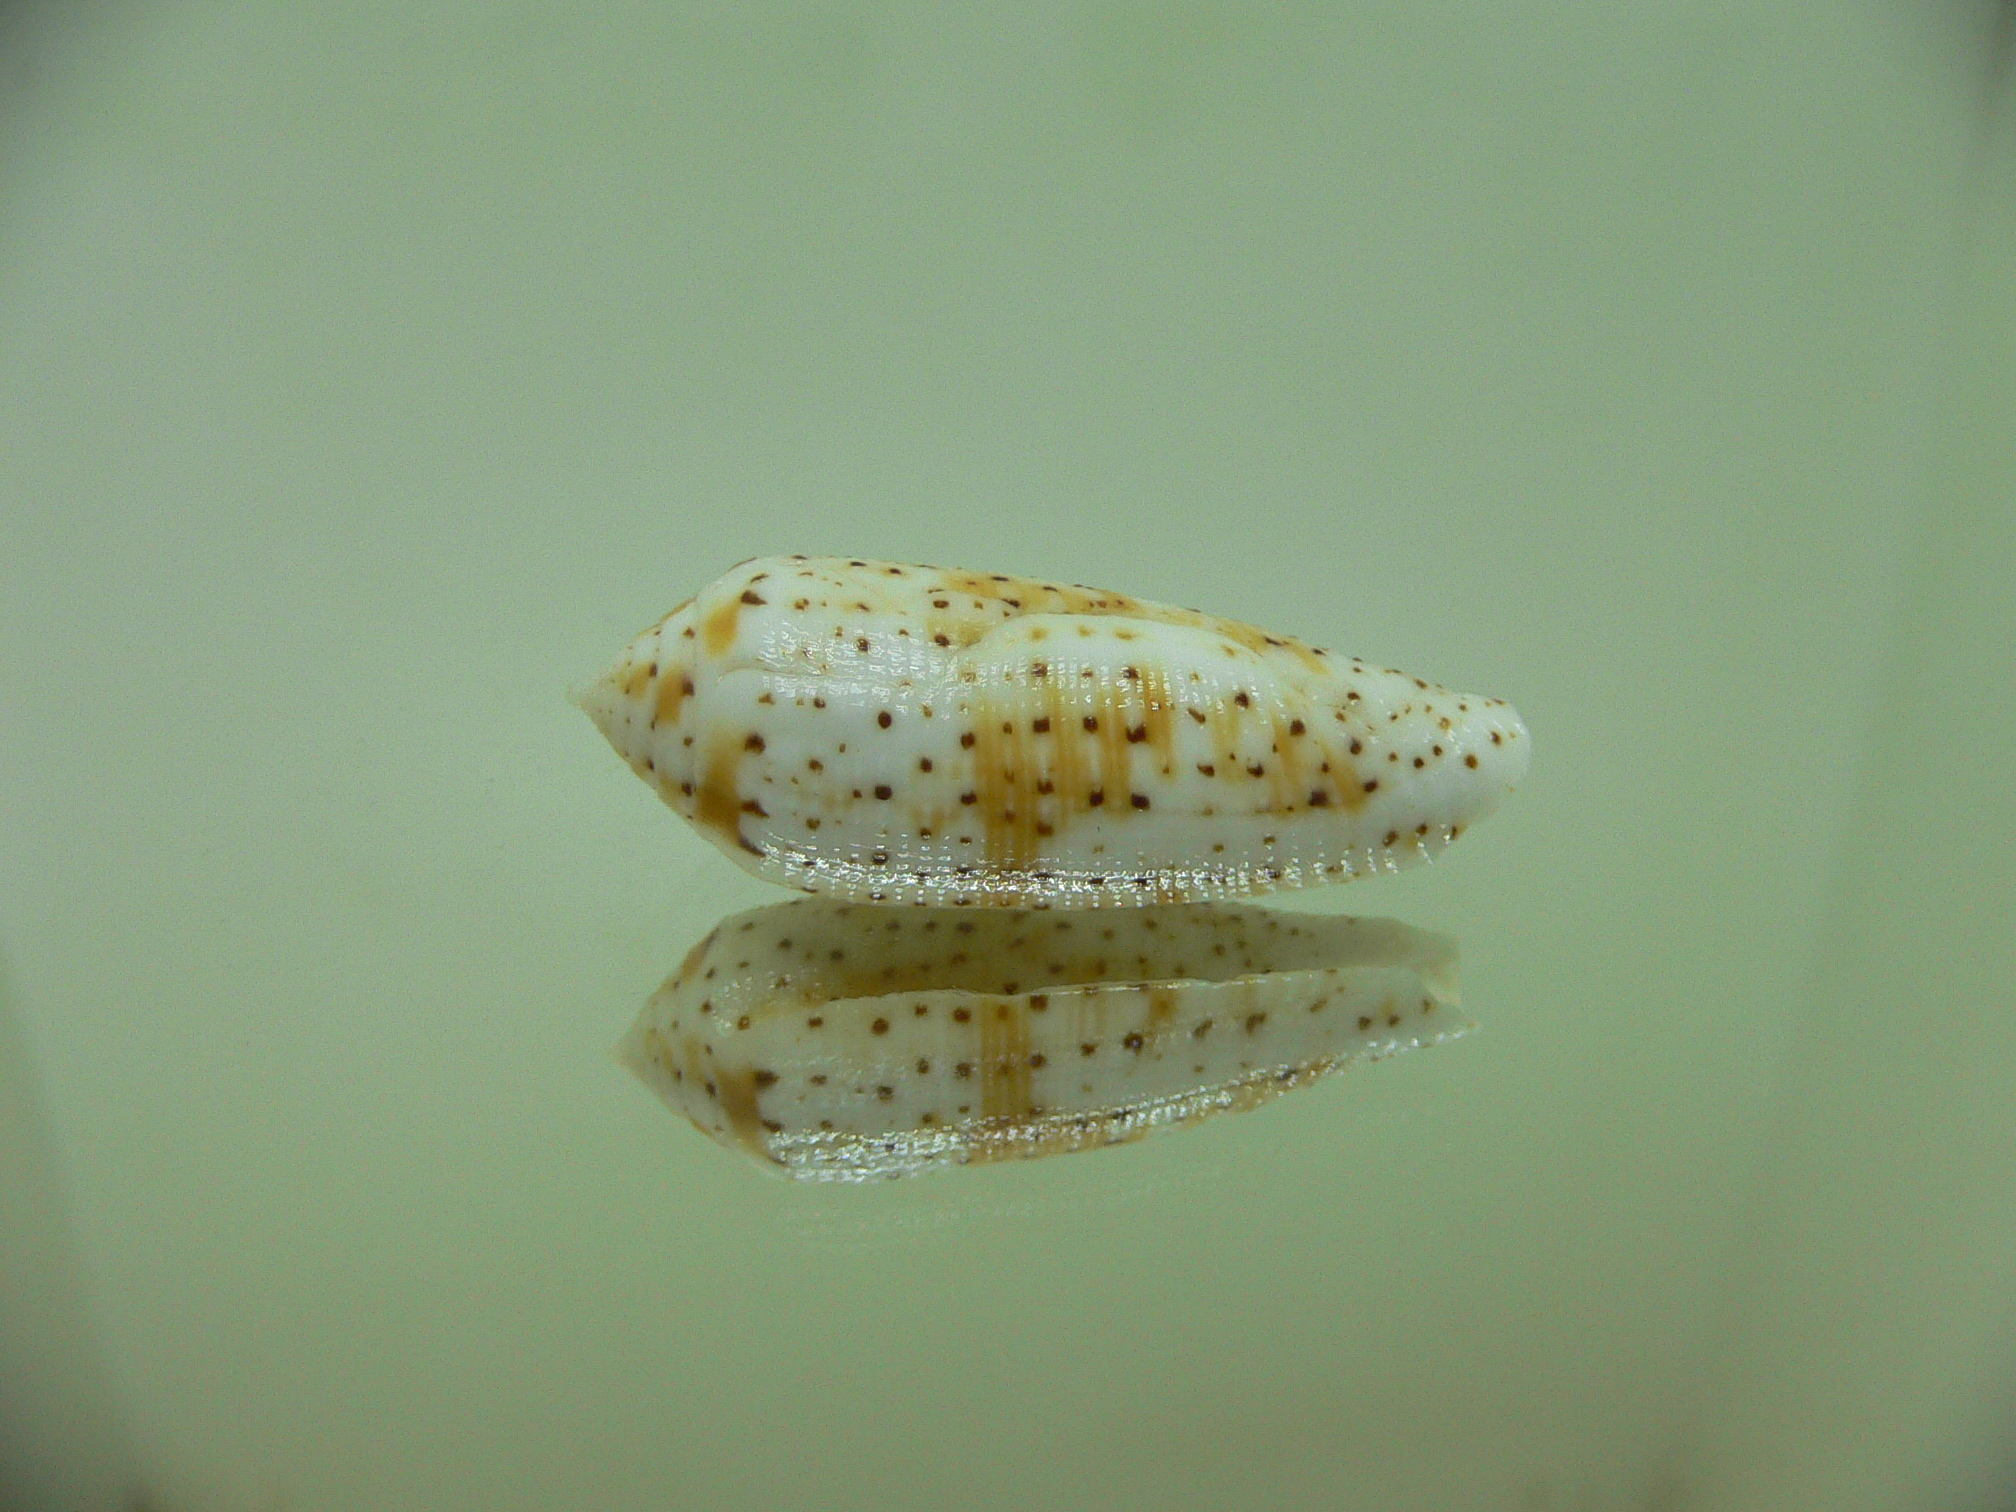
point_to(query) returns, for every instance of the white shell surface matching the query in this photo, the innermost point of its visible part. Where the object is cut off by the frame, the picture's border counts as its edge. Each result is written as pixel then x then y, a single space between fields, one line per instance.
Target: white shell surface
pixel 894 733
pixel 839 1042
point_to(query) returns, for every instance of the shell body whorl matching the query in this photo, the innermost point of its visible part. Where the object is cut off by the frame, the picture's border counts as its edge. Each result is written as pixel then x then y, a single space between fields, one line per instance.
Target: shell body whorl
pixel 900 734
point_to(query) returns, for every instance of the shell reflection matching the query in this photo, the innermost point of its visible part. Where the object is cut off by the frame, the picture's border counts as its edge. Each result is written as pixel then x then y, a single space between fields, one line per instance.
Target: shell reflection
pixel 844 1043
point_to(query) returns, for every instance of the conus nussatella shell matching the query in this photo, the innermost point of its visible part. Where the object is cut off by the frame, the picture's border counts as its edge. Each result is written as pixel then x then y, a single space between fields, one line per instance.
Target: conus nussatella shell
pixel 837 1042
pixel 904 734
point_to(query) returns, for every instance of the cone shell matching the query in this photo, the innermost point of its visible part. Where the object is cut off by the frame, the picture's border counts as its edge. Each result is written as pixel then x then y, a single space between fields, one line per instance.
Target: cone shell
pixel 836 1042
pixel 901 734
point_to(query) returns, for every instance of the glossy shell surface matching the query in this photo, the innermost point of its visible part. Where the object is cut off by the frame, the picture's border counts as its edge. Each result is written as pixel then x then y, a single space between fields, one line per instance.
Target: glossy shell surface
pixel 901 734
pixel 837 1042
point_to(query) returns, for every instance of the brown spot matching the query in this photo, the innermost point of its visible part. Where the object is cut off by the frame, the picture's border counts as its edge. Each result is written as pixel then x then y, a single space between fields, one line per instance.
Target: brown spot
pixel 961 1015
pixel 750 596
pixel 718 808
pixel 967 739
pixel 1134 1042
pixel 672 693
pixel 718 630
pixel 1041 726
pixel 884 719
pixel 1254 1021
pixel 923 763
pixel 1371 784
pixel 753 743
pixel 1470 761
pixel 883 791
pixel 737 1094
pixel 1092 721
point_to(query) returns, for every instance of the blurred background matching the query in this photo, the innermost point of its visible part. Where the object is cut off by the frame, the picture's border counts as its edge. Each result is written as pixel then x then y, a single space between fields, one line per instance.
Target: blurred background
pixel 370 373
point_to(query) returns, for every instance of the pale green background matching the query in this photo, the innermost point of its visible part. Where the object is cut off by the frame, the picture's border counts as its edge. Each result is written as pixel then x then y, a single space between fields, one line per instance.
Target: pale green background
pixel 369 373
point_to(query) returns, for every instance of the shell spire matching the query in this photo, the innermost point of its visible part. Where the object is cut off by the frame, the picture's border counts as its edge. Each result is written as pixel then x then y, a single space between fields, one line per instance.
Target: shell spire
pixel 890 733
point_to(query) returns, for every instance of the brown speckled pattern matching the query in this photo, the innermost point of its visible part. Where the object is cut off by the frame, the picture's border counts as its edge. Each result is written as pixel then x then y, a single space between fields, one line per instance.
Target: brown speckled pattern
pixel 903 734
pixel 836 1042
